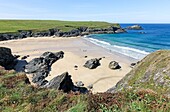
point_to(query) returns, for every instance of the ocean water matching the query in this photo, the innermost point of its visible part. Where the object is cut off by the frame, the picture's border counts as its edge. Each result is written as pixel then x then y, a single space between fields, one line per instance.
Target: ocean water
pixel 136 43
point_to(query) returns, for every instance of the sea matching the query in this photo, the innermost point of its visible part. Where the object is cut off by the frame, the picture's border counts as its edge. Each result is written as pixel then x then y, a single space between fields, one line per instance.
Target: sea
pixel 135 43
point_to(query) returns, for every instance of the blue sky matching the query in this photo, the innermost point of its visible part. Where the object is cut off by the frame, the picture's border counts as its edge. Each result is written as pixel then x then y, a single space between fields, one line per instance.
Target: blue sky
pixel 119 11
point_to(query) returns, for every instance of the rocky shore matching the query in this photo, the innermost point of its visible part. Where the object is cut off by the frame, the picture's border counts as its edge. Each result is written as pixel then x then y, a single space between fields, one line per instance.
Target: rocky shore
pixel 81 31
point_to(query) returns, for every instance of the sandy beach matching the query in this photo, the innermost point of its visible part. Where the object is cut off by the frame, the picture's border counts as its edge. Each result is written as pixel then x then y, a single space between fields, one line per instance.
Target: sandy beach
pixel 75 50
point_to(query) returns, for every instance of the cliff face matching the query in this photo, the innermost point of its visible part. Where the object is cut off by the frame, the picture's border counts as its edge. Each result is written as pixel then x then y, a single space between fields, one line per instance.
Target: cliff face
pixel 153 72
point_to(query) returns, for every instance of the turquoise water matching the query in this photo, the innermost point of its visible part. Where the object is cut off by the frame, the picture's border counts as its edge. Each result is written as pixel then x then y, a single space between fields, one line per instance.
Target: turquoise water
pixel 136 43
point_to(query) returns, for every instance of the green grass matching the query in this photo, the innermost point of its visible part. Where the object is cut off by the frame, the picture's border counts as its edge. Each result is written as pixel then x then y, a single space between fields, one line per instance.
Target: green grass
pixel 42 25
pixel 142 76
pixel 18 96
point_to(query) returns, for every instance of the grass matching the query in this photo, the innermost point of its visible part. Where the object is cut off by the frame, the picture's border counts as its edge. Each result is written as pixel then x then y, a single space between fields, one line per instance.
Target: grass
pixel 16 95
pixel 142 76
pixel 43 25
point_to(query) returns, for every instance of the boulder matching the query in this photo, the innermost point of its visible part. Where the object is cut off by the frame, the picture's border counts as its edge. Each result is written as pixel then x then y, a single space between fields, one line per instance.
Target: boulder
pixel 16 56
pixel 40 67
pixel 24 57
pixel 114 65
pixel 79 84
pixel 61 82
pixel 134 27
pixel 92 63
pixel 133 65
pixel 7 60
pixel 52 57
pixel 37 65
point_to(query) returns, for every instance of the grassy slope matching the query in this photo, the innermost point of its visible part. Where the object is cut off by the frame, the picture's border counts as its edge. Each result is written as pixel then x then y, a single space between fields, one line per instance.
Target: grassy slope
pixel 142 76
pixel 41 25
pixel 17 96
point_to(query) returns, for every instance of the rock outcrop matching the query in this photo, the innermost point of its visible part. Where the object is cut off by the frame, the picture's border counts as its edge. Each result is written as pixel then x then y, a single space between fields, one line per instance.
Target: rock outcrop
pixel 152 72
pixel 58 33
pixel 61 82
pixel 92 63
pixel 52 57
pixel 114 65
pixel 134 27
pixel 40 67
pixel 7 60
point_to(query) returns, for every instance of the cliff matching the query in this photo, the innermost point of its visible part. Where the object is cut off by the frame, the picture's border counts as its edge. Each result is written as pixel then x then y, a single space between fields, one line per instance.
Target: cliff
pixel 18 29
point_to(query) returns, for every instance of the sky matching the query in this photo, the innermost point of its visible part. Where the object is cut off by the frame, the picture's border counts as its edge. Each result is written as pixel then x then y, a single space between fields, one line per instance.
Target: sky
pixel 117 11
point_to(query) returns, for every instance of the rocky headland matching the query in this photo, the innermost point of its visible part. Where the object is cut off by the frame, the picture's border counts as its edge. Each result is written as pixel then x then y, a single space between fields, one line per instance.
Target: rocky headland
pixel 81 31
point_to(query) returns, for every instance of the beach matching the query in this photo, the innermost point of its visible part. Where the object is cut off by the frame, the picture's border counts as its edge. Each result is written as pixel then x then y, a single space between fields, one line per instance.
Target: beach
pixel 75 49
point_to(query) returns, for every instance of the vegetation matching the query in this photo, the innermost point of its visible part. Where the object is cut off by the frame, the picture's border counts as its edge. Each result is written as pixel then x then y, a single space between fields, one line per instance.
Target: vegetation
pixel 152 72
pixel 42 25
pixel 17 95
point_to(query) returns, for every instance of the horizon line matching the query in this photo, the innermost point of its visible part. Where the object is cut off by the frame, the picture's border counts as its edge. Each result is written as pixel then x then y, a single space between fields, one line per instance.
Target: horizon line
pixel 88 21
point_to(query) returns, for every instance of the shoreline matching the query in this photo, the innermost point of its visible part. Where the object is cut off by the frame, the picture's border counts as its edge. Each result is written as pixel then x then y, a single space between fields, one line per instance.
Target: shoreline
pixel 75 49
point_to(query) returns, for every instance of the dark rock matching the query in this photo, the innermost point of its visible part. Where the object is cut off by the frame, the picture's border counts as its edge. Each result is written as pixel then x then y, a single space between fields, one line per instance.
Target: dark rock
pixel 83 90
pixel 20 65
pixel 85 56
pixel 37 65
pixel 120 31
pixel 59 54
pixel 52 57
pixel 133 64
pixel 27 81
pixel 79 84
pixel 61 82
pixel 75 66
pixel 24 57
pixel 6 58
pixel 44 82
pixel 25 33
pixel 114 65
pixel 6 36
pixel 134 27
pixel 38 79
pixel 90 86
pixel 82 29
pixel 16 56
pixel 40 67
pixel 41 34
pixel 52 32
pixel 58 34
pixel 75 32
pixel 92 64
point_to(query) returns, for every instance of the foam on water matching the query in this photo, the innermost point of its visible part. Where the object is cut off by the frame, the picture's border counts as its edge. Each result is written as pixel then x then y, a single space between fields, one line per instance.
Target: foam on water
pixel 131 52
